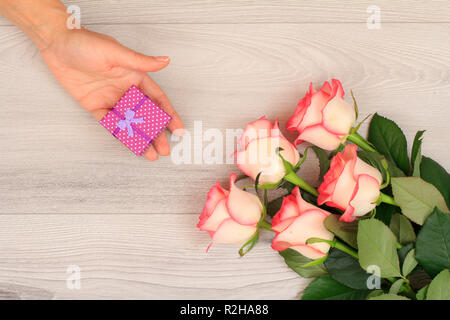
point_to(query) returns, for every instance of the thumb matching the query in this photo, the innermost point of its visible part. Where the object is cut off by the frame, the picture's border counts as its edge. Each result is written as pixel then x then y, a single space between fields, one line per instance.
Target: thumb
pixel 134 60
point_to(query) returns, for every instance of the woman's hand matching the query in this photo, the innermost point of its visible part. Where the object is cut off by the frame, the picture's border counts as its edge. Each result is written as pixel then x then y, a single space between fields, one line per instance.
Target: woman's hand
pixel 97 70
pixel 94 68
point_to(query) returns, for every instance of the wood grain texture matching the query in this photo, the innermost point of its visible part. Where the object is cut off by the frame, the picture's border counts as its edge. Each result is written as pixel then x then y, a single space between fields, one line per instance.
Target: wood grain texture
pixel 225 77
pixel 260 11
pixel 133 257
pixel 61 172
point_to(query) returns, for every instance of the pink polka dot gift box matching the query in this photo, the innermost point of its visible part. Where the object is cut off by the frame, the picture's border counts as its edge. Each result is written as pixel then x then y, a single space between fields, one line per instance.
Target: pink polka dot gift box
pixel 136 120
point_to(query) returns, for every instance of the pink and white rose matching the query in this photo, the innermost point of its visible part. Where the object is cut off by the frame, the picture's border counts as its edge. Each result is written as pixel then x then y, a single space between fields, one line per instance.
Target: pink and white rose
pixel 350 184
pixel 296 222
pixel 230 216
pixel 258 151
pixel 323 117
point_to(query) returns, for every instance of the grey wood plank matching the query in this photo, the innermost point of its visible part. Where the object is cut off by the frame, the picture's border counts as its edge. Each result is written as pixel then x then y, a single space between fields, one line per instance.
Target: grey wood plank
pixel 55 158
pixel 261 11
pixel 133 257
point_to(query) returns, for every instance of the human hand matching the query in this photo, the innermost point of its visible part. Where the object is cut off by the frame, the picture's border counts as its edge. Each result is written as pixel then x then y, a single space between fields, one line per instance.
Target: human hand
pixel 97 70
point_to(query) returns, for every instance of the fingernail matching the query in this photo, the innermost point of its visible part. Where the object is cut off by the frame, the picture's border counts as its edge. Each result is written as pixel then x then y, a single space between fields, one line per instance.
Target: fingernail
pixel 162 59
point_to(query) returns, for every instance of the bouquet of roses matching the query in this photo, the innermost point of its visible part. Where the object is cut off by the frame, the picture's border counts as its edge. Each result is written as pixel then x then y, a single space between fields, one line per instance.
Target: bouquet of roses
pixel 377 227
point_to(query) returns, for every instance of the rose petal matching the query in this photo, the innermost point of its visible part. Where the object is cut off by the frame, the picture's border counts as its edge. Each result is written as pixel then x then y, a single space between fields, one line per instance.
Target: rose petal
pixel 219 214
pixel 367 193
pixel 261 156
pixel 289 152
pixel 304 205
pixel 215 195
pixel 313 114
pixel 345 185
pixel 330 179
pixel 232 232
pixel 347 216
pixel 258 129
pixel 289 209
pixel 320 137
pixel 244 207
pixel 338 116
pixel 308 225
pixel 312 251
pixel 300 111
pixel 362 167
pixel 327 88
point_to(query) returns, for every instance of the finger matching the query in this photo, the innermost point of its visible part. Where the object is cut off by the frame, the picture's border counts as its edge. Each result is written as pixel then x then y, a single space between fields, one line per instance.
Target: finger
pixel 100 113
pixel 161 144
pixel 127 58
pixel 151 154
pixel 159 97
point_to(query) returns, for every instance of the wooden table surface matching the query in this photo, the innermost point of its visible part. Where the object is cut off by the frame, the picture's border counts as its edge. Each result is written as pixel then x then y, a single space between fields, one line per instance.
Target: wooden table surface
pixel 63 177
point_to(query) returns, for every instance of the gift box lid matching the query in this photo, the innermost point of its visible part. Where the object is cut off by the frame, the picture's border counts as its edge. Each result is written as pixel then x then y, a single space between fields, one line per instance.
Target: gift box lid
pixel 136 120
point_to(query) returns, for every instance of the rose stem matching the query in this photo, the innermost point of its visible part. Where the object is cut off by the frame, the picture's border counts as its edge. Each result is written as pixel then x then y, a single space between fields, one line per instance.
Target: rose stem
pixel 265 225
pixel 357 139
pixel 335 244
pixel 295 179
pixel 343 247
pixel 387 199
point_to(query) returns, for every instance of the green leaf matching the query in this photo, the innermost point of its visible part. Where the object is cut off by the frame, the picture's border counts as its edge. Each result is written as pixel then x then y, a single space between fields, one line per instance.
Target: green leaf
pixel 403 252
pixel 417 144
pixel 344 230
pixel 439 288
pixel 395 287
pixel 417 198
pixel 324 161
pixel 377 246
pixel 345 269
pixel 432 172
pixel 326 288
pixel 384 213
pixel 390 141
pixel 295 261
pixel 416 153
pixel 402 229
pixel 433 243
pixel 410 263
pixel 374 293
pixel 394 171
pixel 355 105
pixel 422 293
pixel 389 296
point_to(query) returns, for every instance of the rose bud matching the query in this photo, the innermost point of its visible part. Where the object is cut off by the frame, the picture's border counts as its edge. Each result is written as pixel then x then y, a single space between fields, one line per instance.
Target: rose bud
pixel 259 146
pixel 296 222
pixel 230 216
pixel 323 117
pixel 350 184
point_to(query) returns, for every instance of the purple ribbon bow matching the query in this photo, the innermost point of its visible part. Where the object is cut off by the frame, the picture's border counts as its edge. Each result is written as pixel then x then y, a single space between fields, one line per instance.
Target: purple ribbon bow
pixel 129 119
